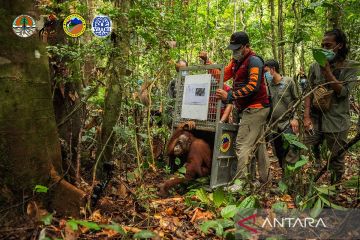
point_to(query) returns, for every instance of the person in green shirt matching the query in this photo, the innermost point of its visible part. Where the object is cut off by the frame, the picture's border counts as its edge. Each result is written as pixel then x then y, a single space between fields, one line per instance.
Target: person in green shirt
pixel 284 94
pixel 331 123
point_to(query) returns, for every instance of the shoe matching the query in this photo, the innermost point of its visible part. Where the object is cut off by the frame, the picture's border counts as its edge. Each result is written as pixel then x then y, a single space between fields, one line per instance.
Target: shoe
pixel 256 184
pixel 234 188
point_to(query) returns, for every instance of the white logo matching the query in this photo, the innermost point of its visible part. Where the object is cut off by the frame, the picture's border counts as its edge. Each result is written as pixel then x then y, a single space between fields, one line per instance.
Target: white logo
pixel 293 222
pixel 101 26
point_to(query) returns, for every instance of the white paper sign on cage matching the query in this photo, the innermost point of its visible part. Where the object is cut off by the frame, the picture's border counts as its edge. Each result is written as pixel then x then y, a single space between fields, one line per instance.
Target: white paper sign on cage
pixel 196 96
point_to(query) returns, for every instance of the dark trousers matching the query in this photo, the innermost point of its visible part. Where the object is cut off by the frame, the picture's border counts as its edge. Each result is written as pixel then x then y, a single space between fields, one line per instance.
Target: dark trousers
pixel 335 142
pixel 284 154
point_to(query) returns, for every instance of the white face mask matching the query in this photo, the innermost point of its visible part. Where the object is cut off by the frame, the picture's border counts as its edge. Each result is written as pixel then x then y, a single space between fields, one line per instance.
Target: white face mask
pixel 237 54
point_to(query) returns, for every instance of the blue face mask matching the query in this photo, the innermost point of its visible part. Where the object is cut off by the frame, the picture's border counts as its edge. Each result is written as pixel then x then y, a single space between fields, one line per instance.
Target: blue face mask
pixel 268 76
pixel 184 73
pixel 303 82
pixel 330 54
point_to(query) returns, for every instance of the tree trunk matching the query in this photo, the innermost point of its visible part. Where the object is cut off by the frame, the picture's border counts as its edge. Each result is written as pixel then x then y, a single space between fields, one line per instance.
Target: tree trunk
pixel 334 15
pixel 65 99
pixel 294 41
pixel 29 146
pixel 89 64
pixel 113 96
pixel 302 58
pixel 272 24
pixel 281 53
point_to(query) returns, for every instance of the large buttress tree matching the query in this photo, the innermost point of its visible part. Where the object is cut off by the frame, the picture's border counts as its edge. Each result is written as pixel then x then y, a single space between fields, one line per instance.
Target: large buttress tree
pixel 29 145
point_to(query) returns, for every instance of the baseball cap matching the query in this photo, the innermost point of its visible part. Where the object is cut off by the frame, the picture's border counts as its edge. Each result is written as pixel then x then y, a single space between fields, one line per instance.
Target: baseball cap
pixel 237 40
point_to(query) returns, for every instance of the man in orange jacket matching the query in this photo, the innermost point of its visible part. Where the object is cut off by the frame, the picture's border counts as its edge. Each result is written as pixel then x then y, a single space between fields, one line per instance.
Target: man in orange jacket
pixel 249 95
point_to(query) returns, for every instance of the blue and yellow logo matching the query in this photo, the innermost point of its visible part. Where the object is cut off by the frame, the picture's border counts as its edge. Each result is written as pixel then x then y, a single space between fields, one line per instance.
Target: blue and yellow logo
pixel 74 25
pixel 225 143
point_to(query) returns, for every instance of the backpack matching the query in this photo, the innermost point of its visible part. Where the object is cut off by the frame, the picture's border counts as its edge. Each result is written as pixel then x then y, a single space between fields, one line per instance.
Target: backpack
pixel 268 92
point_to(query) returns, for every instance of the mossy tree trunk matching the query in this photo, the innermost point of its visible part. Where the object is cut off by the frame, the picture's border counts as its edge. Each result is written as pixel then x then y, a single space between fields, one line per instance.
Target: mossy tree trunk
pixel 115 86
pixel 281 53
pixel 29 146
pixel 334 15
pixel 272 24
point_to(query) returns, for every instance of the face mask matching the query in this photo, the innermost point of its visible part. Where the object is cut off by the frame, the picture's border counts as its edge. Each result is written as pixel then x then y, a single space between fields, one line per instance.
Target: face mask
pixel 330 54
pixel 268 76
pixel 140 82
pixel 184 73
pixel 237 55
pixel 303 82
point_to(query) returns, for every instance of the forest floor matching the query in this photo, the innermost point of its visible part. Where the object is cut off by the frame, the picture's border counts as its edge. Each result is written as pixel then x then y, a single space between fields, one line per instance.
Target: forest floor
pixel 135 206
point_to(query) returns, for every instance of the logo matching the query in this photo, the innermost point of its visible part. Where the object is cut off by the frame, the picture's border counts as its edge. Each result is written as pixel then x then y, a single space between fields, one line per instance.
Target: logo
pixel 24 26
pixel 249 228
pixel 101 26
pixel 225 142
pixel 280 222
pixel 74 25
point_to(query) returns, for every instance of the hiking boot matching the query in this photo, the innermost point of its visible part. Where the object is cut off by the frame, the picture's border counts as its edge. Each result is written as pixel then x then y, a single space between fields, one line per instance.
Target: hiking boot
pixel 234 188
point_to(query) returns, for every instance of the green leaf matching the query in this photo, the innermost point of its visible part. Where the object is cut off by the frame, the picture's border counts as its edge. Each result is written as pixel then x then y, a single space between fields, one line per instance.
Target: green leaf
pixel 218 197
pixel 201 194
pixel 182 170
pixel 320 55
pixel 205 226
pixel 47 219
pixel 332 205
pixel 228 211
pixel 144 234
pixel 238 182
pixel 353 182
pixel 316 210
pixel 294 140
pixel 225 223
pixel 116 227
pixel 303 160
pixel 177 161
pixel 326 190
pixel 248 202
pixel 90 225
pixel 73 224
pixel 282 186
pixel 299 145
pixel 214 224
pixel 279 206
pixel 40 189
